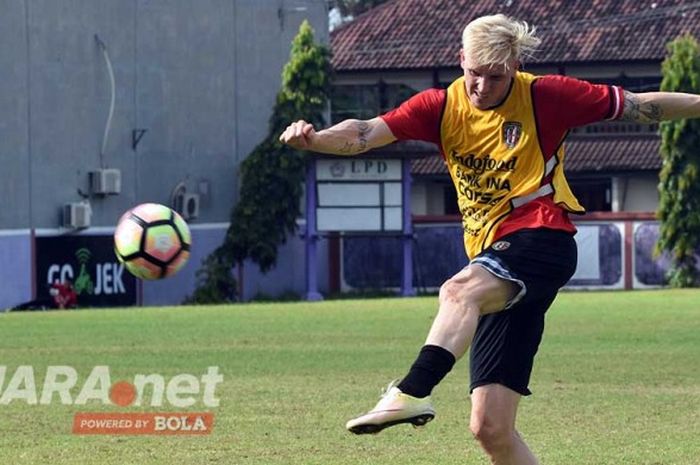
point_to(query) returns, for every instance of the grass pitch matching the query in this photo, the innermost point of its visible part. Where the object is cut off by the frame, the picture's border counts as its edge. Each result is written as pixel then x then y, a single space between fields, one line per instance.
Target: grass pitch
pixel 616 382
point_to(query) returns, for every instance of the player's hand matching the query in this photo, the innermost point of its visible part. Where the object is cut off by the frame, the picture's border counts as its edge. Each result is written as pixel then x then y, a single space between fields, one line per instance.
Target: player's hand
pixel 298 135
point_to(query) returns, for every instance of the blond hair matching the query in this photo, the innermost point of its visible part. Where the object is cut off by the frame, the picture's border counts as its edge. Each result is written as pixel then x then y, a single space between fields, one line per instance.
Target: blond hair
pixel 498 40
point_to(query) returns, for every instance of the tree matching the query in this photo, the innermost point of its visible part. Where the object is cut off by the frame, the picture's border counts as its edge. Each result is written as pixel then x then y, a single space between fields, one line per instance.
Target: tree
pixel 215 284
pixel 679 206
pixel 272 175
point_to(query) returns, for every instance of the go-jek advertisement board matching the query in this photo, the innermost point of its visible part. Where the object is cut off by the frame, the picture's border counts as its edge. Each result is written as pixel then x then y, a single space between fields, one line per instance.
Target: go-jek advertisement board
pixel 89 263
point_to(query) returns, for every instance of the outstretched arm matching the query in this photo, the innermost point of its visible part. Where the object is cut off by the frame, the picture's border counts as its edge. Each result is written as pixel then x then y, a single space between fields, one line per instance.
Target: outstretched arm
pixel 652 107
pixel 348 137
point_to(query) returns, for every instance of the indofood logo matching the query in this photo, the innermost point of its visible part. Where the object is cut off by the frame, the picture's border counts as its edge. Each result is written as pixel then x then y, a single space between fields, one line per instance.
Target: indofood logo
pixel 108 276
pixel 61 385
pixel 482 164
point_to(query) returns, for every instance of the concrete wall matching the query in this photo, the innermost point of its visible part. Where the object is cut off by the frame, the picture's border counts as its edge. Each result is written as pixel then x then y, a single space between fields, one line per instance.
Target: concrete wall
pixel 436 196
pixel 419 198
pixel 639 193
pixel 16 272
pixel 199 76
pixel 15 176
pixel 287 277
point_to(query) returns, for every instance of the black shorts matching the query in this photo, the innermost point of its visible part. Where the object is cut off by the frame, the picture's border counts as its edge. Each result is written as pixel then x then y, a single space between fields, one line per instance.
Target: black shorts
pixel 540 261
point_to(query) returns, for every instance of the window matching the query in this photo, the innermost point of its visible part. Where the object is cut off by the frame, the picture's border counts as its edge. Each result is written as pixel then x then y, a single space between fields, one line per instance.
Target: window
pixel 593 194
pixel 357 101
pixel 633 84
pixel 394 95
pixel 366 101
pixel 449 195
pixel 615 128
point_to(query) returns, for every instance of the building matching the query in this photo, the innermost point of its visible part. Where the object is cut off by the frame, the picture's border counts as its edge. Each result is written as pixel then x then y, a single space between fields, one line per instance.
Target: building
pixel 405 46
pixel 107 104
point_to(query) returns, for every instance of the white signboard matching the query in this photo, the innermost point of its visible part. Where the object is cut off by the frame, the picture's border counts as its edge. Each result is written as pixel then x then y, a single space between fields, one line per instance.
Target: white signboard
pixel 358 169
pixel 349 219
pixel 359 195
pixel 588 265
pixel 349 194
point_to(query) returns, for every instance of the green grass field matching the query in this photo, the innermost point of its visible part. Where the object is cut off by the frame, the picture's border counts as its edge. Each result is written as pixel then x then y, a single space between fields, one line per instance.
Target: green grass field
pixel 617 382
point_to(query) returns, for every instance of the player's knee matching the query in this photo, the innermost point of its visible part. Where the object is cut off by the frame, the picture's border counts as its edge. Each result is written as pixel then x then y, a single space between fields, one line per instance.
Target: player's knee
pixel 453 291
pixel 448 291
pixel 459 295
pixel 493 436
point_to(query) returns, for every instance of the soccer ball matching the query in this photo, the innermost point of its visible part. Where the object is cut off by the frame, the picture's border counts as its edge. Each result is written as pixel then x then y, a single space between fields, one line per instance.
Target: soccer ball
pixel 152 241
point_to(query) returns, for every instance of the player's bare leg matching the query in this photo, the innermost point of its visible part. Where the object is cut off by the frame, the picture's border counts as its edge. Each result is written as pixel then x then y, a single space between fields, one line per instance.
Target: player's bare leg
pixel 471 292
pixel 494 408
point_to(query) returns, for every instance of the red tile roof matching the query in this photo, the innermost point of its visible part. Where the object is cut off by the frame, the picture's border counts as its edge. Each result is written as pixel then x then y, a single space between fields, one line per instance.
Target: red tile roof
pixel 413 34
pixel 428 165
pixel 631 153
pixel 583 155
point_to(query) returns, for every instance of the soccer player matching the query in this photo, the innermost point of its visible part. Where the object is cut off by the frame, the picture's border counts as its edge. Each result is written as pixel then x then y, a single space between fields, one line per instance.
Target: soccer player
pixel 500 132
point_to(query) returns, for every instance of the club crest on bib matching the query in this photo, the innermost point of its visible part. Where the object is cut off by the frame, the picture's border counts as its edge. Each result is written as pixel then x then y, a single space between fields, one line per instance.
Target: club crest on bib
pixel 500 245
pixel 512 131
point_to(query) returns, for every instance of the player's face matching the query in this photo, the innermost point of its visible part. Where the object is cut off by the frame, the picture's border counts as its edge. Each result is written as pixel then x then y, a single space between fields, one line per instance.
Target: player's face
pixel 487 86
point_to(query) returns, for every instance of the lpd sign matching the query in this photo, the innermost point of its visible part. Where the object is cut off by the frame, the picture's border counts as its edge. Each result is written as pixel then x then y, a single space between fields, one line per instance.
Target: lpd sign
pixel 89 263
pixel 358 170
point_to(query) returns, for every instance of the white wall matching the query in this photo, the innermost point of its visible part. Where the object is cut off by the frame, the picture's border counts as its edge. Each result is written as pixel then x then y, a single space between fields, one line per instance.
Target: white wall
pixel 419 198
pixel 637 193
pixel 427 197
pixel 436 197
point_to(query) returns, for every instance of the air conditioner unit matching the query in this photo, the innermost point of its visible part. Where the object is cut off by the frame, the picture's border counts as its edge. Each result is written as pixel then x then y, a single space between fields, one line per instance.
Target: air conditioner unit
pixel 76 215
pixel 187 205
pixel 106 181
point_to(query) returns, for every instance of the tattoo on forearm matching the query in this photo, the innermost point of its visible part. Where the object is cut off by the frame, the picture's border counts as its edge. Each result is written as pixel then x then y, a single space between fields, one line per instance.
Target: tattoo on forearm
pixel 363 132
pixel 639 112
pixel 347 147
pixel 349 144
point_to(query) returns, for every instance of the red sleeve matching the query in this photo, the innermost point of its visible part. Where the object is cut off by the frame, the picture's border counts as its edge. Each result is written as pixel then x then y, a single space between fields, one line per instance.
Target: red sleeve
pixel 418 118
pixel 563 102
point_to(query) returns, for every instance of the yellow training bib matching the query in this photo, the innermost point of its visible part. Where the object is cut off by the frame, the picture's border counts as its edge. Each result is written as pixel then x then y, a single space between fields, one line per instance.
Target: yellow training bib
pixel 495 160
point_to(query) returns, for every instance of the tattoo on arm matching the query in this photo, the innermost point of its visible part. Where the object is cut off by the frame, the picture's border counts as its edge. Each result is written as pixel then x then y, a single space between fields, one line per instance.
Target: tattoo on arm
pixel 358 145
pixel 347 147
pixel 640 112
pixel 352 137
pixel 363 132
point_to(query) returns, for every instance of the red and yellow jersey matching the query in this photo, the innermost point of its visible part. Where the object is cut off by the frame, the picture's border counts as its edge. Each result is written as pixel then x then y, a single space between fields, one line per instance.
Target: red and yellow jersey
pixel 507 162
pixel 495 160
